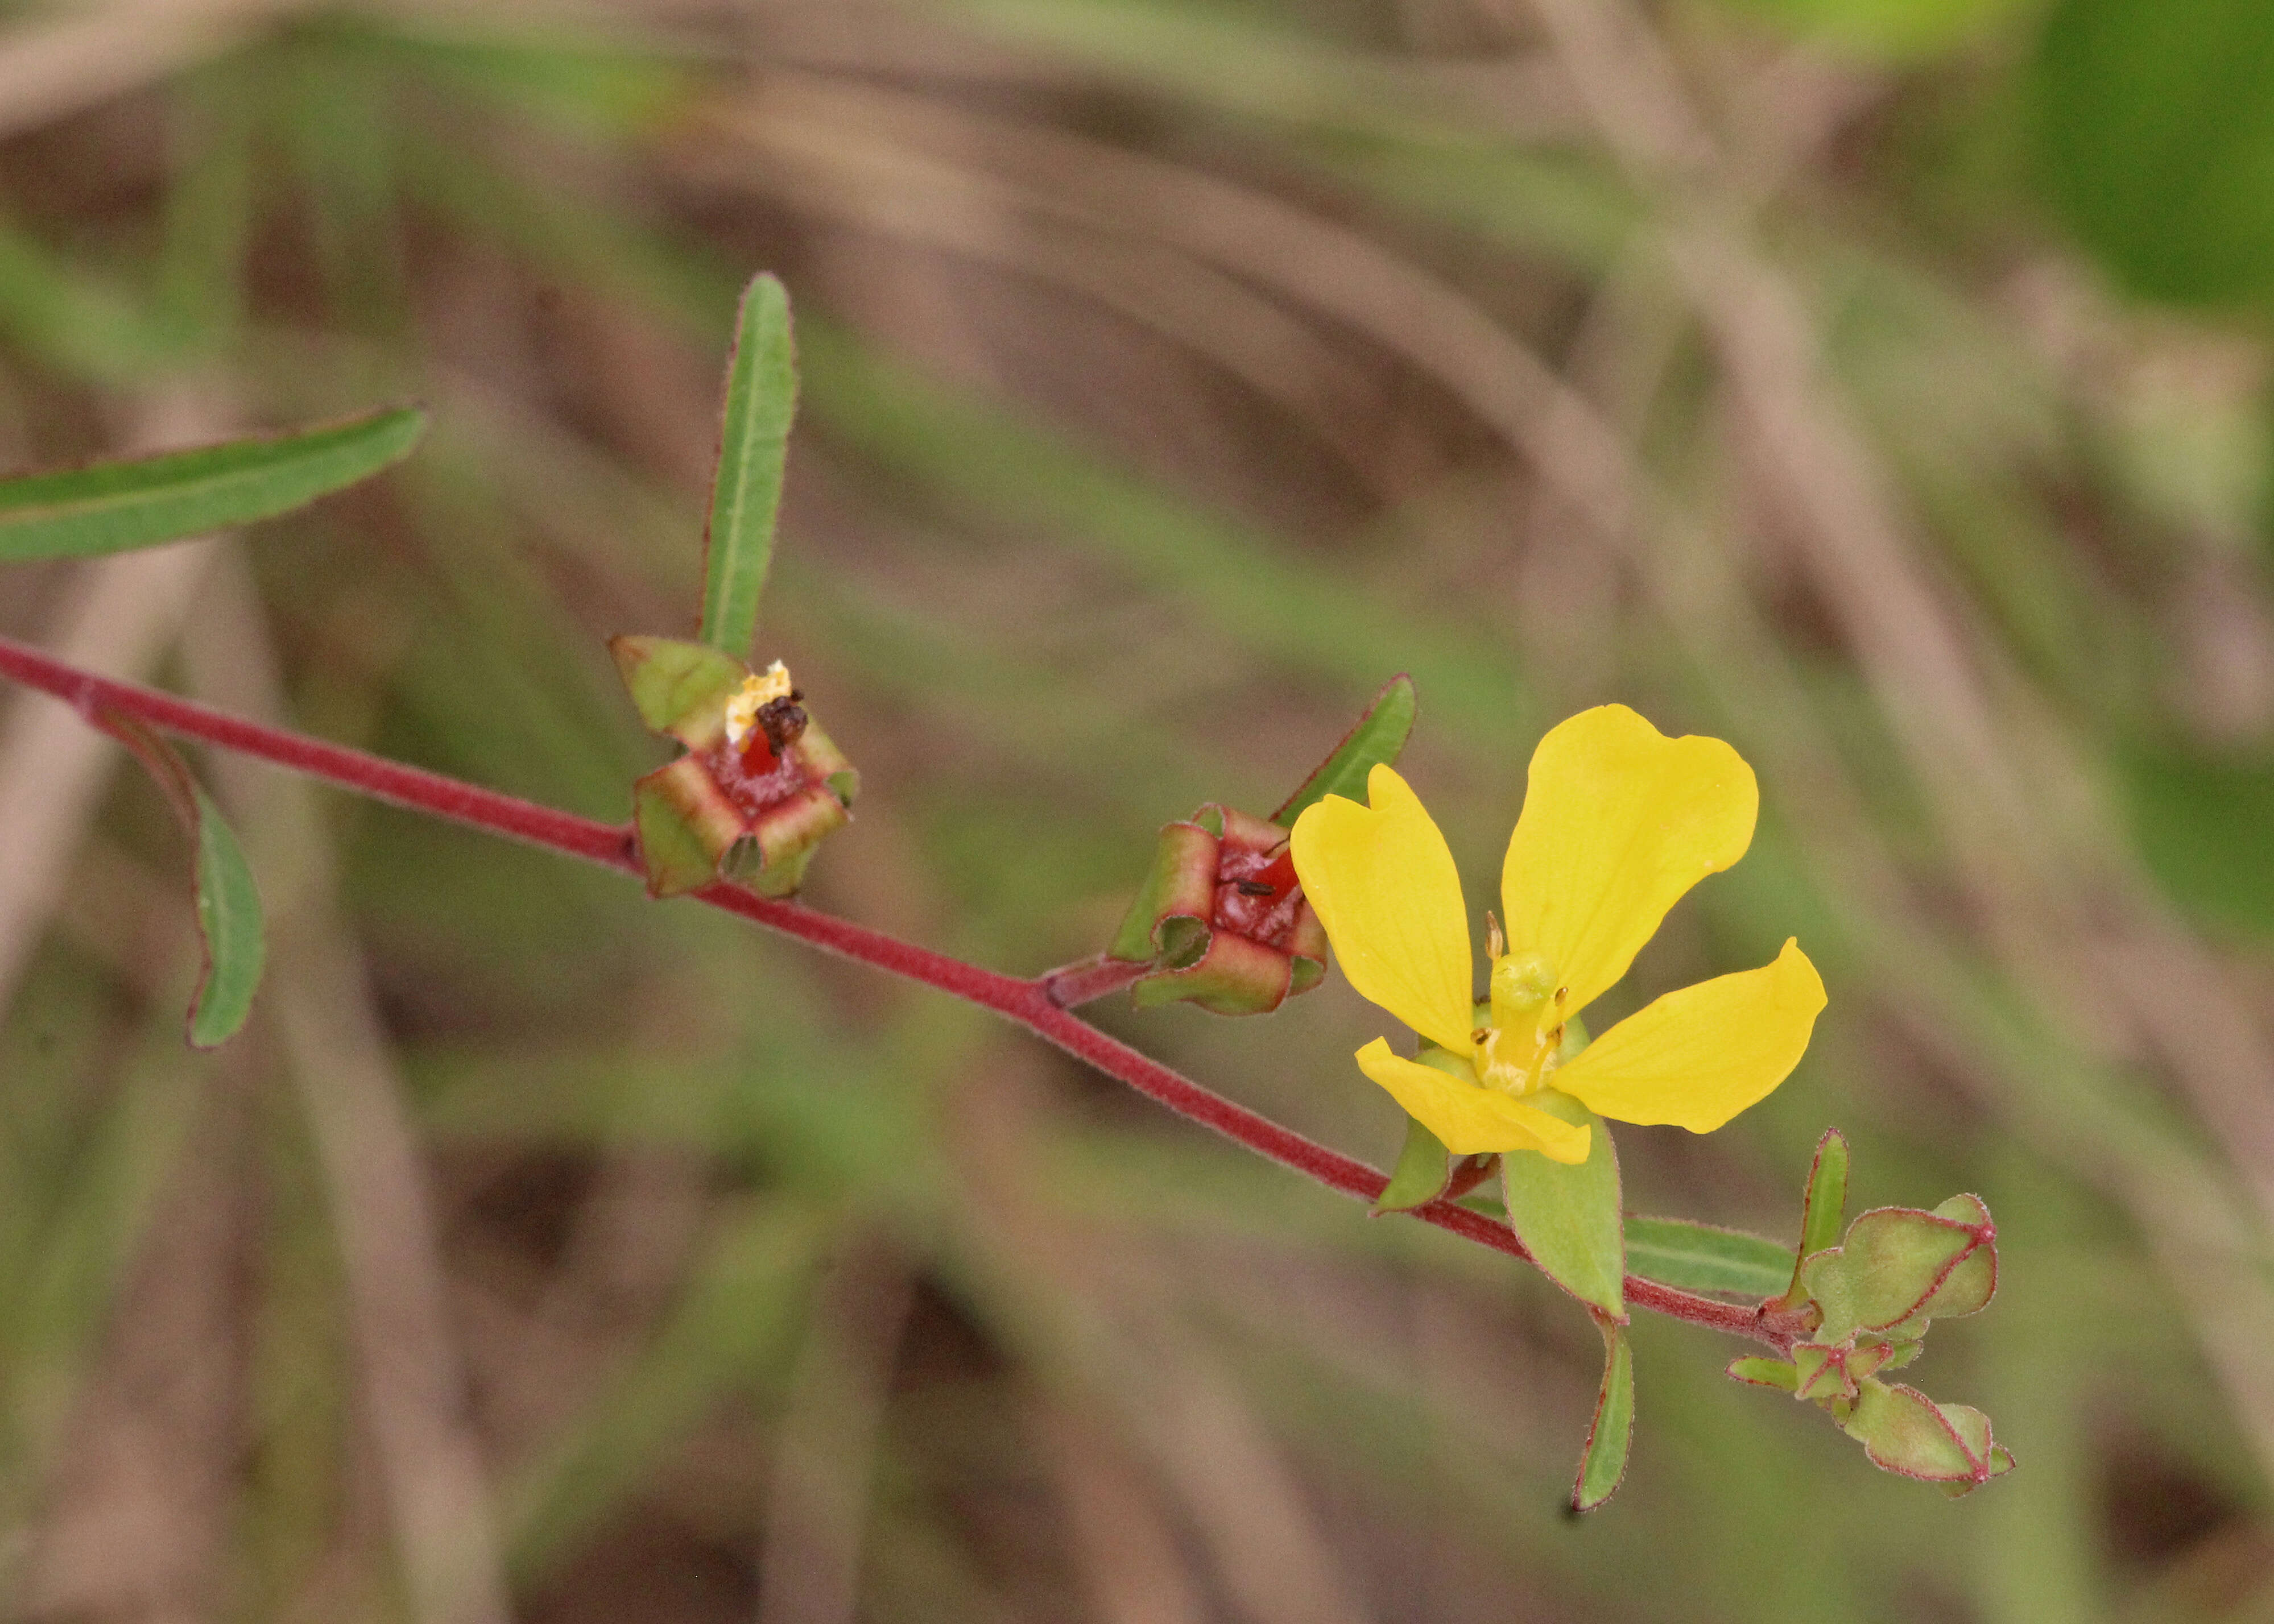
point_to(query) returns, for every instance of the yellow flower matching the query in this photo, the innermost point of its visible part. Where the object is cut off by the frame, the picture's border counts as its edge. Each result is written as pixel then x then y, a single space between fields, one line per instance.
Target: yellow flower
pixel 1619 820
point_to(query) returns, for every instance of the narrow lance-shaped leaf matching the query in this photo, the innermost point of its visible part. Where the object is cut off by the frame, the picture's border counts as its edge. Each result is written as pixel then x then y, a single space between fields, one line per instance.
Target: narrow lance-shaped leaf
pixel 754 423
pixel 1604 1461
pixel 1379 736
pixel 1700 1256
pixel 229 905
pixel 112 507
pixel 1823 1208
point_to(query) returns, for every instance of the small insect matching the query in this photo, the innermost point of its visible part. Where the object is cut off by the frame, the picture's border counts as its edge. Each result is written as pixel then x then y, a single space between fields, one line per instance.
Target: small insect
pixel 768 702
pixel 782 720
pixel 1256 888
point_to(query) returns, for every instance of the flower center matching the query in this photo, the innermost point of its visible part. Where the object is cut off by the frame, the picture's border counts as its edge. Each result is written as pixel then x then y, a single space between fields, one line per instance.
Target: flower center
pixel 1518 1050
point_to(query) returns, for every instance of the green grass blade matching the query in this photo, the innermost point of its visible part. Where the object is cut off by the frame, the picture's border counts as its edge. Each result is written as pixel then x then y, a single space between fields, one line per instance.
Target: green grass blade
pixel 112 507
pixel 1699 1257
pixel 1380 735
pixel 746 493
pixel 229 903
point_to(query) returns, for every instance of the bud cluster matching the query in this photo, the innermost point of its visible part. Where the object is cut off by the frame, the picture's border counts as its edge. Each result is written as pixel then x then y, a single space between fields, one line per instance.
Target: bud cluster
pixel 1864 1306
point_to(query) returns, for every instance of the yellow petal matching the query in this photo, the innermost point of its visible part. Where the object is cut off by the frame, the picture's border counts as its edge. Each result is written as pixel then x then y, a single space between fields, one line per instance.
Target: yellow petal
pixel 1619 820
pixel 1384 884
pixel 1699 1057
pixel 1469 1118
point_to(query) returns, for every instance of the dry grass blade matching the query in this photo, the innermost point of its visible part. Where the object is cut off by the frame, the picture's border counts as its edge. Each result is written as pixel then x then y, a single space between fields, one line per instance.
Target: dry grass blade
pixel 817 1498
pixel 1306 259
pixel 413 1384
pixel 55 67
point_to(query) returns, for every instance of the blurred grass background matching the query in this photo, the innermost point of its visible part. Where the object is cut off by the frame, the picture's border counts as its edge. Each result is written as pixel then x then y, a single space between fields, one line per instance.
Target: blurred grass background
pixel 1879 384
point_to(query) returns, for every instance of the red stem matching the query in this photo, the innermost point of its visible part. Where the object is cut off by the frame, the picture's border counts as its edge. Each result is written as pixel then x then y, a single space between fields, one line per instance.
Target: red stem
pixel 1039 1004
pixel 1087 979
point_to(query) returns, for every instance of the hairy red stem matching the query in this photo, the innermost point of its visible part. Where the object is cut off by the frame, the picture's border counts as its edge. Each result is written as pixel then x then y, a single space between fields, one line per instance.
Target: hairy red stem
pixel 1086 981
pixel 1038 1005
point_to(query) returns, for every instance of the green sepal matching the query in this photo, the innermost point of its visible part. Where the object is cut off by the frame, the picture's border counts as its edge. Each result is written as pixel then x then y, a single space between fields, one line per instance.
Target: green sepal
pixel 679 689
pixel 1568 1216
pixel 1831 1370
pixel 230 931
pixel 1702 1256
pixel 1899 1268
pixel 1764 1372
pixel 686 826
pixel 1603 1462
pixel 1575 1037
pixel 1905 1432
pixel 788 834
pixel 1234 976
pixel 1425 1168
pixel 1180 885
pixel 1379 736
pixel 1822 1372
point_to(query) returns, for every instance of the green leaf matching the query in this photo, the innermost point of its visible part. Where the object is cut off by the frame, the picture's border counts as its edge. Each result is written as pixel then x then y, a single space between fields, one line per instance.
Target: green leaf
pixel 1568 1217
pixel 111 507
pixel 1424 1166
pixel 1604 1461
pixel 2155 139
pixel 746 492
pixel 229 919
pixel 1907 1432
pixel 1899 1267
pixel 1380 735
pixel 1781 1374
pixel 229 903
pixel 1700 1256
pixel 1825 1208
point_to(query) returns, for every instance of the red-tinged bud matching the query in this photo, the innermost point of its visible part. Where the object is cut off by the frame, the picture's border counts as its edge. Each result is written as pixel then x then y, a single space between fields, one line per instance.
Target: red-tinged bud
pixel 1907 1432
pixel 1222 918
pixel 760 785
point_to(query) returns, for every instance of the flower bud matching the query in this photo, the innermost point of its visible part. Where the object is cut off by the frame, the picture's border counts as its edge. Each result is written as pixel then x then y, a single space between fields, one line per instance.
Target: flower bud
pixel 1222 918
